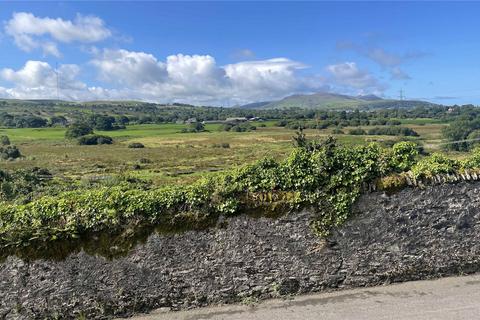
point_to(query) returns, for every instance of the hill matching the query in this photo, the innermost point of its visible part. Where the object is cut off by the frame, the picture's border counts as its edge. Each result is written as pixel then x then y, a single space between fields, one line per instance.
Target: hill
pixel 332 101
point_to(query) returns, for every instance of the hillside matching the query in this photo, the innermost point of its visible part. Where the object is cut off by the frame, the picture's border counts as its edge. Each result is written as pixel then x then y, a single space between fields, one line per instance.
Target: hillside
pixel 332 101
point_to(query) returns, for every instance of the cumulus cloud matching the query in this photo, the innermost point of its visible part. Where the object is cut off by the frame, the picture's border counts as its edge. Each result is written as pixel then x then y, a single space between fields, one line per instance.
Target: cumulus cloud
pixel 347 74
pixel 196 79
pixel 129 68
pixel 30 32
pixel 199 79
pixel 37 79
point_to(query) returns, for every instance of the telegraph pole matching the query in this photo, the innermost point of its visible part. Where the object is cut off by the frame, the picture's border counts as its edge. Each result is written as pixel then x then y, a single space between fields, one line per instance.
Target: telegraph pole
pixel 56 73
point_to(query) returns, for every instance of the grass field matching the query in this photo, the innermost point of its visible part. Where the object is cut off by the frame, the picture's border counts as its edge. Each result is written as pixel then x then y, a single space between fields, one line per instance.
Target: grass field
pixel 170 156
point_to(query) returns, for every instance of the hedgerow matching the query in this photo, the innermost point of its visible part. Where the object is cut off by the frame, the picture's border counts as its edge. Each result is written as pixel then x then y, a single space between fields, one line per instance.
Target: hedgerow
pixel 324 175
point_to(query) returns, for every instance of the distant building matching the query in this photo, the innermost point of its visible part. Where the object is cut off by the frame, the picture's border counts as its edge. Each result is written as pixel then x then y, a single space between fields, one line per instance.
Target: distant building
pixel 239 119
pixel 191 120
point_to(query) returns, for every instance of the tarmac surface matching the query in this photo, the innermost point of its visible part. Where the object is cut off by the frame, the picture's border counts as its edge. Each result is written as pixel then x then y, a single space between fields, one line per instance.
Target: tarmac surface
pixel 447 298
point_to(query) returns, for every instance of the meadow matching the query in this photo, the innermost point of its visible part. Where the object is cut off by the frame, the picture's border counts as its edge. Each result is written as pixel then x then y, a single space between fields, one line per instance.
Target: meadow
pixel 172 157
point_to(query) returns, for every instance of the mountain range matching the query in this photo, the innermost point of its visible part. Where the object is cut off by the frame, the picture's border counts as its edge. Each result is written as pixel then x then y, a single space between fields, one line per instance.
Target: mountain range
pixel 333 101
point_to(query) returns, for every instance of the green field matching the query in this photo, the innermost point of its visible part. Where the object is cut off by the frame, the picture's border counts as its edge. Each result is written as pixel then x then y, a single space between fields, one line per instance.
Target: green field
pixel 170 156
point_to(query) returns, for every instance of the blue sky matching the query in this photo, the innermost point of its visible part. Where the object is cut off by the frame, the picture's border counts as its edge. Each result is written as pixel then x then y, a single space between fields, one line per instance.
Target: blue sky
pixel 227 53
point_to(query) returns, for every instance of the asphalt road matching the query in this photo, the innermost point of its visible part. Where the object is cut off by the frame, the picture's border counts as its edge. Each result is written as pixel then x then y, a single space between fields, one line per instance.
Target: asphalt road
pixel 449 298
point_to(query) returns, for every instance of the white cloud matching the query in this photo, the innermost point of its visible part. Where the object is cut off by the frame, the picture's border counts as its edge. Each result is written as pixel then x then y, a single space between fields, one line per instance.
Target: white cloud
pixel 347 74
pixel 199 79
pixel 30 32
pixel 38 80
pixel 196 79
pixel 129 68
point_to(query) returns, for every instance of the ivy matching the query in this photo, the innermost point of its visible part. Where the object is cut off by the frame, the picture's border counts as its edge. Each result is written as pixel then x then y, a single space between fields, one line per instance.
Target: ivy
pixel 323 175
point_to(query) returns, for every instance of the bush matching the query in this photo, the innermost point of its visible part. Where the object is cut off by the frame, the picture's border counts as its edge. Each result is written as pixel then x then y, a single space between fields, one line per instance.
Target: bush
pixel 435 164
pixel 9 153
pixel 357 132
pixel 77 130
pixel 393 131
pixel 323 175
pixel 22 183
pixel 194 127
pixel 337 131
pixel 221 145
pixel 242 127
pixel 473 161
pixel 136 145
pixel 4 141
pixel 401 157
pixel 94 139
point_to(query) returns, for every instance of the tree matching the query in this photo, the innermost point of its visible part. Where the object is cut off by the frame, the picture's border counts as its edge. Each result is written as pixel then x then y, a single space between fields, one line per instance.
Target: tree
pixel 77 130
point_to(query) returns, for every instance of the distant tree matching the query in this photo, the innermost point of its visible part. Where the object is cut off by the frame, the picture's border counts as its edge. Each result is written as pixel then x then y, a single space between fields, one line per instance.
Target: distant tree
pixel 101 122
pixel 58 121
pixel 122 120
pixel 77 130
pixel 30 121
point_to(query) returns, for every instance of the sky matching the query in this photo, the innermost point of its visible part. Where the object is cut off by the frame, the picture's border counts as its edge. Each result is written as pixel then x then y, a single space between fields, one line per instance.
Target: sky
pixel 231 53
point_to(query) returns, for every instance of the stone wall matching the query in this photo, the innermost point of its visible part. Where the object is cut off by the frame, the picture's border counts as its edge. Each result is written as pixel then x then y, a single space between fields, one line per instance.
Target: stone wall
pixel 413 234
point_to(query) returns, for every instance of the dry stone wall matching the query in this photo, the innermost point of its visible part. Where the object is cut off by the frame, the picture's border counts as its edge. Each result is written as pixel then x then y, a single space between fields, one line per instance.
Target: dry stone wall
pixel 409 235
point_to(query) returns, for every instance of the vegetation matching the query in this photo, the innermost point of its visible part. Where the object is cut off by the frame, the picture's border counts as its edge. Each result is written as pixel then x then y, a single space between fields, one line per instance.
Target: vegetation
pixel 94 139
pixel 136 145
pixel 194 127
pixel 240 127
pixel 189 173
pixel 77 130
pixel 393 131
pixel 4 141
pixel 9 152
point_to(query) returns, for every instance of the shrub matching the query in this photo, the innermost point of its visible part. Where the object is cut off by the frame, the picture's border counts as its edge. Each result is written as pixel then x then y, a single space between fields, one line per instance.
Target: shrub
pixel 4 141
pixel 144 160
pixel 401 157
pixel 393 131
pixel 194 127
pixel 9 152
pixel 77 130
pixel 94 139
pixel 473 161
pixel 136 145
pixel 221 145
pixel 242 127
pixel 357 132
pixel 337 131
pixel 435 164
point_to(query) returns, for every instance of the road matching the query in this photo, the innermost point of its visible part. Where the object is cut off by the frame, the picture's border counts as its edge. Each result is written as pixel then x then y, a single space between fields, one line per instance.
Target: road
pixel 448 298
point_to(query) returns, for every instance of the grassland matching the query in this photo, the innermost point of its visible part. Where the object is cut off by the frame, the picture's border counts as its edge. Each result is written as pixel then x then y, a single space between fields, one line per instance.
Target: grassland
pixel 170 156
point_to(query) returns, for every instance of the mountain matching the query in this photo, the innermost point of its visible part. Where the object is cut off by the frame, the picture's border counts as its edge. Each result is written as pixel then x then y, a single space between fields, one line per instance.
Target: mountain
pixel 333 101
